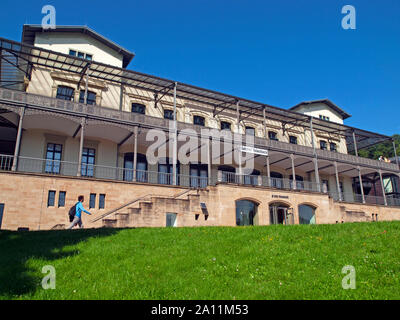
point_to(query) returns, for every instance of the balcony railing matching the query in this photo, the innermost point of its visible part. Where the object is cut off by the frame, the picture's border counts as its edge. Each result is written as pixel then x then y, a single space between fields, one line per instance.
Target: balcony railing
pixel 65 168
pixel 110 114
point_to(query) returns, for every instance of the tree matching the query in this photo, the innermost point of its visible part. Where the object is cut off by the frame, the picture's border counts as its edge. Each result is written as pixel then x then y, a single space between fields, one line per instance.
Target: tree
pixel 384 149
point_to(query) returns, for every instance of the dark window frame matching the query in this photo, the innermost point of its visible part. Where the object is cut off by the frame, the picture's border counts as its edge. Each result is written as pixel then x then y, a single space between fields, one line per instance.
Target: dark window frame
pixel 61 202
pixel 293 140
pixel 91 98
pixel 272 135
pixel 323 145
pixel 53 165
pixel 92 200
pixel 87 168
pixel 248 128
pixel 199 121
pixel 102 201
pixel 138 108
pixel 53 200
pixel 65 93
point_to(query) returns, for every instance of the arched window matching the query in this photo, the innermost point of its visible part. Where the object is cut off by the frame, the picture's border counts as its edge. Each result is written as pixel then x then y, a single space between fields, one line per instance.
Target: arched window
pixel 246 213
pixel 250 131
pixel 198 120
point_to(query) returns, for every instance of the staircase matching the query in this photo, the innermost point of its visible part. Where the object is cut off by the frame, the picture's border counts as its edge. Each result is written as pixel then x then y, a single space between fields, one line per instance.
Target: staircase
pixel 150 210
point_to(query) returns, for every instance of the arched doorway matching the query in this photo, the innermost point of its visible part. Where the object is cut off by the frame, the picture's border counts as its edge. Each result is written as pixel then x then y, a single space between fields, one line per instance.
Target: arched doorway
pixel 307 214
pixel 280 213
pixel 246 213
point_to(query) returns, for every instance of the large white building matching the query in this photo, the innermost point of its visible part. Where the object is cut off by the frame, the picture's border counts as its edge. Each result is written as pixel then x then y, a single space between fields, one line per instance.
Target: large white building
pixel 74 120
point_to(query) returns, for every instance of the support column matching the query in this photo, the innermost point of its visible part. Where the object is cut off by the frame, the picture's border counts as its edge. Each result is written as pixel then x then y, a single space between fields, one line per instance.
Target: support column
pixel 268 170
pixel 383 188
pixel 135 147
pixel 175 142
pixel 87 84
pixel 355 144
pixel 316 170
pixel 361 184
pixel 265 124
pixel 241 141
pixel 18 142
pixel 337 182
pixel 395 154
pixel 209 160
pixel 294 187
pixel 83 128
pixel 317 180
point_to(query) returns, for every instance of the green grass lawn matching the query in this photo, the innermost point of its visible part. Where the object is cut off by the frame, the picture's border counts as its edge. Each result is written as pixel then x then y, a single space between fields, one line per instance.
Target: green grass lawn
pixel 277 262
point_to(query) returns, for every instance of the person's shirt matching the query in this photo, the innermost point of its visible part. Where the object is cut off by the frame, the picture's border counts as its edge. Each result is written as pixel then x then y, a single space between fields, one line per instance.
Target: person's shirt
pixel 79 209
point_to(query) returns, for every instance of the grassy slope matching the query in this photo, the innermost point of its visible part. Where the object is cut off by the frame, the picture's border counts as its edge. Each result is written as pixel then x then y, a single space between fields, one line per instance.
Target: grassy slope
pixel 277 262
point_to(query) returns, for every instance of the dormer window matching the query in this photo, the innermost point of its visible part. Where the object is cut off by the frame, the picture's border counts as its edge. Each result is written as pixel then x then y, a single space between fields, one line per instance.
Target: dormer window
pixel 272 135
pixel 200 121
pixel 81 55
pixel 324 117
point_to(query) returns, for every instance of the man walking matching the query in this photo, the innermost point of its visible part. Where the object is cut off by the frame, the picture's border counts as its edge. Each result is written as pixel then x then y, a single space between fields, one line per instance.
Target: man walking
pixel 78 213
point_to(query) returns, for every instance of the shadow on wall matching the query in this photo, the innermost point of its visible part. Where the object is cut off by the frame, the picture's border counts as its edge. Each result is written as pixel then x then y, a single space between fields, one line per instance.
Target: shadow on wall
pixel 19 247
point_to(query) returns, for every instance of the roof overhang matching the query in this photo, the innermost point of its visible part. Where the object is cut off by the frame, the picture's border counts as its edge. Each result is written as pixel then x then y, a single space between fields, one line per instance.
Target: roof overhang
pixel 29 33
pixel 40 57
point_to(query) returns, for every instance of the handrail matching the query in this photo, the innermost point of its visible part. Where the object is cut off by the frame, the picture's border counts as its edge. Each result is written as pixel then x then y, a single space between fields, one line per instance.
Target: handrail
pixel 132 202
pixel 120 207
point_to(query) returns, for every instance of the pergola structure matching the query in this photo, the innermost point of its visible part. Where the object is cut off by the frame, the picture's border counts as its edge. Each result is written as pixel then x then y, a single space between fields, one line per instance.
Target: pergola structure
pixel 19 59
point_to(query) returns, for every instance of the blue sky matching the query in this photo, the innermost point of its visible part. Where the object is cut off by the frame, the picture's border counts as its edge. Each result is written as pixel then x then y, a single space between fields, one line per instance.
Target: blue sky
pixel 276 52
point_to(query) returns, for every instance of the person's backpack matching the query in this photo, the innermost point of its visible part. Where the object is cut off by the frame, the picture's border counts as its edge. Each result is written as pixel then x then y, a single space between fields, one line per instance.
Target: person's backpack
pixel 72 212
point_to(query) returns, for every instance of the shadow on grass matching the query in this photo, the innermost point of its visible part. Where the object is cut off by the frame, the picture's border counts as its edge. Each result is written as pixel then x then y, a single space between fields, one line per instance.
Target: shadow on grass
pixel 16 248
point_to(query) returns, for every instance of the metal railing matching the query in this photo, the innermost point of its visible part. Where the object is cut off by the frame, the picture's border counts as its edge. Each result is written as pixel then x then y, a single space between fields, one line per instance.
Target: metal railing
pixel 6 162
pixel 65 168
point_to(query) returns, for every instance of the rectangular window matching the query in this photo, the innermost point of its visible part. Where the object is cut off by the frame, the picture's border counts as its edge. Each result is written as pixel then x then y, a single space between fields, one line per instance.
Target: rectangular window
pixel 81 55
pixel 272 136
pixel 1 213
pixel 102 201
pixel 61 199
pixel 225 125
pixel 323 145
pixel 168 114
pixel 92 201
pixel 250 131
pixel 91 97
pixel 51 199
pixel 88 161
pixel 65 93
pixel 53 158
pixel 333 147
pixel 138 108
pixel 324 117
pixel 89 57
pixel 72 53
pixel 293 140
pixel 200 121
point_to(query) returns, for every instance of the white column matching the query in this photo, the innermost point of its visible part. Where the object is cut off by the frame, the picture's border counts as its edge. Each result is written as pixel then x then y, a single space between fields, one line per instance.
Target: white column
pixel 361 185
pixel 83 127
pixel 175 146
pixel 135 147
pixel 293 173
pixel 383 188
pixel 337 181
pixel 18 142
